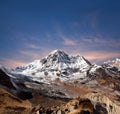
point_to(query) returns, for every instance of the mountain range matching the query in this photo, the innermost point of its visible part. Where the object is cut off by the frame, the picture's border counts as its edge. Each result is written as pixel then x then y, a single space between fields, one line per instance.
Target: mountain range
pixel 61 84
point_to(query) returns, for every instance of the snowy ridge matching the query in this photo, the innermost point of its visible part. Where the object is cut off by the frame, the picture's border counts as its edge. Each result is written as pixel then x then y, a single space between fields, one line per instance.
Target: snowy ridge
pixel 113 64
pixel 56 65
pixel 115 61
pixel 59 65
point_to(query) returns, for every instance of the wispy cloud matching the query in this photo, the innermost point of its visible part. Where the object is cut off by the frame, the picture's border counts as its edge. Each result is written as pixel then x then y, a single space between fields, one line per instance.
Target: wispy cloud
pixel 101 41
pixel 32 46
pixel 96 56
pixel 24 57
pixel 69 42
pixel 12 62
pixel 101 55
pixel 30 54
pixel 35 54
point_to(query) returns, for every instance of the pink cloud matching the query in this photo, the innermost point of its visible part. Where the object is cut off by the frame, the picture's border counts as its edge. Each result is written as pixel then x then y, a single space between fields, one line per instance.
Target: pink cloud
pixel 35 54
pixel 98 56
pixel 13 63
pixel 21 60
pixel 30 54
pixel 101 55
pixel 69 42
pixel 33 46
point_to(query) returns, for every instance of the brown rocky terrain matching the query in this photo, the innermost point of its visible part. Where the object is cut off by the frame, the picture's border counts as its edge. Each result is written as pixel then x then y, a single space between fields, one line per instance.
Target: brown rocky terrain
pixel 10 104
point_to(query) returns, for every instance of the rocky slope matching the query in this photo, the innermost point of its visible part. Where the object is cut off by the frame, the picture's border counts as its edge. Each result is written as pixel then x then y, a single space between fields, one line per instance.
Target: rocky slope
pixel 9 104
pixel 48 84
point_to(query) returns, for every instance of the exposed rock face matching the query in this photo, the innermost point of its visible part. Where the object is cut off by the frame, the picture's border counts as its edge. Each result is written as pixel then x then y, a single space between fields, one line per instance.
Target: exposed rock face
pixel 5 80
pixel 76 106
pixel 103 104
pixel 79 106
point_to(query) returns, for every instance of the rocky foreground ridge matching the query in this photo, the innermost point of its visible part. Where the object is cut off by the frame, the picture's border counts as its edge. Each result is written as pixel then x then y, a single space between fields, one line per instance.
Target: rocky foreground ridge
pixel 61 84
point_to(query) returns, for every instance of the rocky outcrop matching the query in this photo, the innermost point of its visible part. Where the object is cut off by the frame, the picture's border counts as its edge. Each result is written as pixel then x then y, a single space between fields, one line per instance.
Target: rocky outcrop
pixel 75 106
pixel 9 104
pixel 103 104
pixel 78 106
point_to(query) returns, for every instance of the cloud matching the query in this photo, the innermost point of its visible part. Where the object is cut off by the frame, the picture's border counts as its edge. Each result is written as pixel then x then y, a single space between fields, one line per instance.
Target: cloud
pixel 97 56
pixel 32 46
pixel 100 56
pixel 66 40
pixel 96 49
pixel 101 41
pixel 69 42
pixel 30 54
pixel 35 54
pixel 89 42
pixel 24 57
pixel 12 63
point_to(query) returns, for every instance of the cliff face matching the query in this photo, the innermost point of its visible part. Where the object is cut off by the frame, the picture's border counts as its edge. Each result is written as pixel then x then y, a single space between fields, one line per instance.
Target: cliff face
pixel 103 104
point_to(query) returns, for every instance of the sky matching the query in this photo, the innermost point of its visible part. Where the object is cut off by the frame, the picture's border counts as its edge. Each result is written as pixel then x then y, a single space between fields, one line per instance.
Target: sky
pixel 31 29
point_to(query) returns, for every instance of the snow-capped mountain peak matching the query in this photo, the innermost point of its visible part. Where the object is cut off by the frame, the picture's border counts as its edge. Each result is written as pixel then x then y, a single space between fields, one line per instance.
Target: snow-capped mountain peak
pixel 59 52
pixel 58 56
pixel 57 64
pixel 59 60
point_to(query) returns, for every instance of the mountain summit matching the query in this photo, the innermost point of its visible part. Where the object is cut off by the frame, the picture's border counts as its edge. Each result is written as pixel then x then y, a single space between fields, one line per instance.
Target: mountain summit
pixel 57 64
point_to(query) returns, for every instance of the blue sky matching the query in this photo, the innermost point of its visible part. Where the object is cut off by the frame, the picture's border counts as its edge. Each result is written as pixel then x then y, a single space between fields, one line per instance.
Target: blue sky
pixel 30 29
